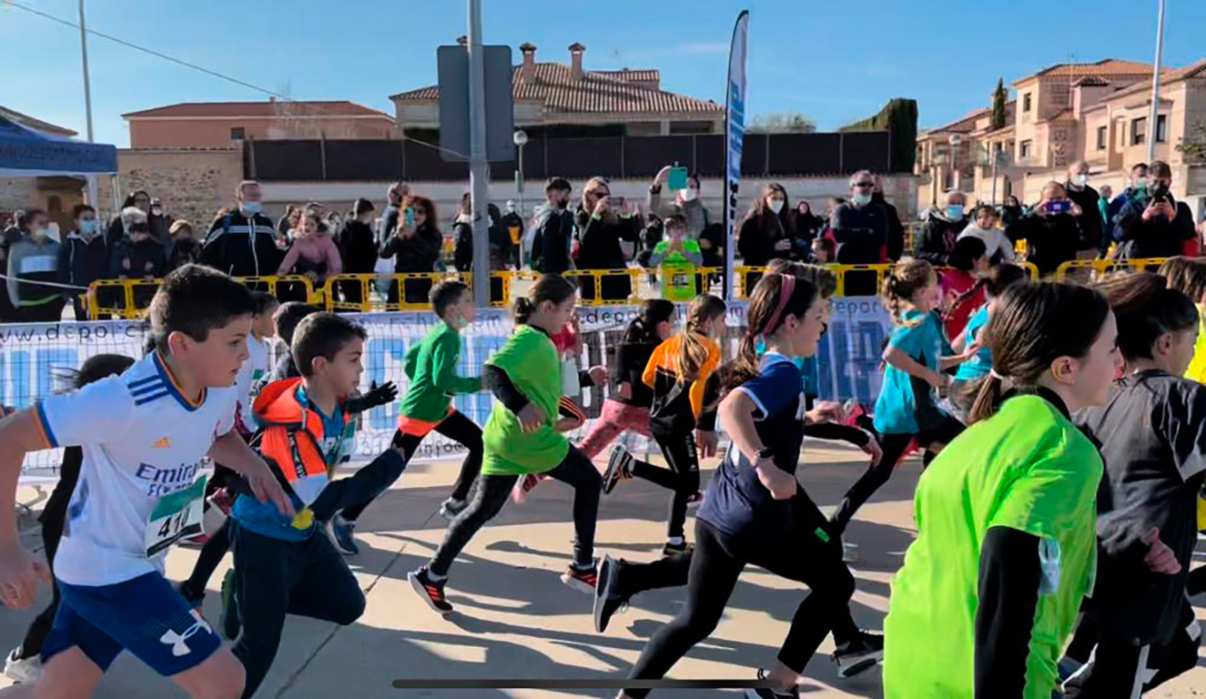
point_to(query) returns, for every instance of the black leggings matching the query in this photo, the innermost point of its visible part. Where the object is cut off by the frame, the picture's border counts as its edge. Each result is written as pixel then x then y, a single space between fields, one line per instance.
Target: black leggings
pixel 682 477
pixel 492 492
pixel 459 429
pixel 894 446
pixel 31 646
pixel 715 566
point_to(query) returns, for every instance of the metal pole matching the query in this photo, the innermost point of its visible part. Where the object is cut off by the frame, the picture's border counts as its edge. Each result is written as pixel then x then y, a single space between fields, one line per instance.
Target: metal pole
pixel 478 168
pixel 994 157
pixel 90 183
pixel 519 181
pixel 1151 119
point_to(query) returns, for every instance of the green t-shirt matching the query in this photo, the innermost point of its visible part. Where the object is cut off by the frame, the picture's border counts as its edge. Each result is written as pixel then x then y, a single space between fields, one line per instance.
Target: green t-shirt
pixel 431 368
pixel 678 271
pixel 530 360
pixel 1027 468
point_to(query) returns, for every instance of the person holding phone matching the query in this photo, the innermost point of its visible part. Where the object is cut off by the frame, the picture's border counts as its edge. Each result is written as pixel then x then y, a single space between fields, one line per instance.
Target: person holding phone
pixel 686 202
pixel 602 222
pixel 1050 229
pixel 415 247
pixel 1156 225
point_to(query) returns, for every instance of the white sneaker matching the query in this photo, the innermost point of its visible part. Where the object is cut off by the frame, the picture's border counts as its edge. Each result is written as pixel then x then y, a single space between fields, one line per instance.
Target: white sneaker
pixel 22 671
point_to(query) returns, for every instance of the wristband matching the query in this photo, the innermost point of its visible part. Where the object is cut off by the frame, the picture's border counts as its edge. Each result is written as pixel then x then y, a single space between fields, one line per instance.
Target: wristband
pixel 766 453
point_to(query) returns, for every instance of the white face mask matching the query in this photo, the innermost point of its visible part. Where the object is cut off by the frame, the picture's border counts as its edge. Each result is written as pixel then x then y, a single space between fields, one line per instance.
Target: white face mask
pixel 690 194
pixel 861 199
pixel 776 205
pixel 1080 180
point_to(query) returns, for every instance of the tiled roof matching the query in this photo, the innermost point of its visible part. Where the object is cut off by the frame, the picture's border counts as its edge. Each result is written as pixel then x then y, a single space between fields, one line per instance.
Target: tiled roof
pixel 335 108
pixel 1106 66
pixel 1091 81
pixel 967 122
pixel 1193 70
pixel 597 91
pixel 35 124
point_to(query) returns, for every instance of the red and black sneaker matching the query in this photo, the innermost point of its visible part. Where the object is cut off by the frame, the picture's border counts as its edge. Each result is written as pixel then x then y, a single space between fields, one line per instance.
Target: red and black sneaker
pixel 525 485
pixel 430 591
pixel 583 579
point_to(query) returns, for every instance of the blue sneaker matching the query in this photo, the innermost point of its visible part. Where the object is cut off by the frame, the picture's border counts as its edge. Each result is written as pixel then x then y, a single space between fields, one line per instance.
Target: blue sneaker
pixel 343 534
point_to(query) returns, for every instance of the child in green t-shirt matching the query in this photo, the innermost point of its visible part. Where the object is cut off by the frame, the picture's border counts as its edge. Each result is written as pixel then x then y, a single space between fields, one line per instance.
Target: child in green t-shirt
pixel 431 367
pixel 677 256
pixel 521 437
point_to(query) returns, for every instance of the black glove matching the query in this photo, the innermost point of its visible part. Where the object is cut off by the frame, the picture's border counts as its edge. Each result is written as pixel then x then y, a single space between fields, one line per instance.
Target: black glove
pixel 377 395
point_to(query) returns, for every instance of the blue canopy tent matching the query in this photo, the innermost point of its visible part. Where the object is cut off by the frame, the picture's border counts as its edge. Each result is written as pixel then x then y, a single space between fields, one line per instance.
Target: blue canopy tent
pixel 25 152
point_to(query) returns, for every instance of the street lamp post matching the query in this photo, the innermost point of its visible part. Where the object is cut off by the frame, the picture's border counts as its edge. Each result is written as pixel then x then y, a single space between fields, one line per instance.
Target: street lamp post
pixel 521 139
pixel 90 180
pixel 955 140
pixel 1152 130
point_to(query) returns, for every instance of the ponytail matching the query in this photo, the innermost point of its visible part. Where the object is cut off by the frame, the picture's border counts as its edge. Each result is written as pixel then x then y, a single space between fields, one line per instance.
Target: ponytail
pixel 694 351
pixel 988 398
pixel 909 276
pixel 551 287
pixel 522 310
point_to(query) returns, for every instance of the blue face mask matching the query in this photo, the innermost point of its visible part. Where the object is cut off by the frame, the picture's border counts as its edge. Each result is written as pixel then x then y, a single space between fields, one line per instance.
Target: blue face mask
pixel 88 227
pixel 251 208
pixel 954 212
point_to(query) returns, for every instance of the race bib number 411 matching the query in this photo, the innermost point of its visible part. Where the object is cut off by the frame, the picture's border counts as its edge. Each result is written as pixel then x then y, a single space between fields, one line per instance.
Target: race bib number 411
pixel 175 517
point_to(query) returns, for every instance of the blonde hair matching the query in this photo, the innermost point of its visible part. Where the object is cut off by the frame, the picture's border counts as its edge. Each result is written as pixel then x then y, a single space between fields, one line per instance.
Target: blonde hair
pixel 909 276
pixel 694 352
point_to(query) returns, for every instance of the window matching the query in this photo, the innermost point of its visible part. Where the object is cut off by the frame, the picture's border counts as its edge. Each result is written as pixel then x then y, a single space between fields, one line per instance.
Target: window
pixel 1026 102
pixel 1027 147
pixel 236 134
pixel 1161 128
pixel 1101 137
pixel 1138 130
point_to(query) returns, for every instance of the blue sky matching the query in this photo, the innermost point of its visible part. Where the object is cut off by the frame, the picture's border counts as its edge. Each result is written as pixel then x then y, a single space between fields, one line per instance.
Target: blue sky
pixel 832 61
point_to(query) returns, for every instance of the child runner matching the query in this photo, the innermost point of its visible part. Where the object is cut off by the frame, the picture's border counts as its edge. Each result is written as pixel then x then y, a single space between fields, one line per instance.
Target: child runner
pixel 24 663
pixel 1005 545
pixel 144 435
pixel 971 372
pixel 431 367
pixel 628 407
pixel 284 564
pixel 755 511
pixel 520 438
pixel 286 318
pixel 677 256
pixel 1188 275
pixel 962 292
pixel 907 407
pixel 683 416
pixel 1152 436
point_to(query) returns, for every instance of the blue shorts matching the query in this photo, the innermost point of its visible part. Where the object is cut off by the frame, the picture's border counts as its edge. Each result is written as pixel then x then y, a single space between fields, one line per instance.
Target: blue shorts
pixel 145 616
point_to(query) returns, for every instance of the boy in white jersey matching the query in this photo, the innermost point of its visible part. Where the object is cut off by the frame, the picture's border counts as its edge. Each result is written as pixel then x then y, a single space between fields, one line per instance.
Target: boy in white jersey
pixel 143 434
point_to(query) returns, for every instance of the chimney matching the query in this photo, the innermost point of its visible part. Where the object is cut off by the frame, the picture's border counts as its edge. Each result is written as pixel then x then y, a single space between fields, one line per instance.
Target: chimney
pixel 576 50
pixel 528 72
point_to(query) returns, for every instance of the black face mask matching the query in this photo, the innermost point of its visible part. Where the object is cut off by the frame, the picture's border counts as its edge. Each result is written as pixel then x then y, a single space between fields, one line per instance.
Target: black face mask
pixel 563 204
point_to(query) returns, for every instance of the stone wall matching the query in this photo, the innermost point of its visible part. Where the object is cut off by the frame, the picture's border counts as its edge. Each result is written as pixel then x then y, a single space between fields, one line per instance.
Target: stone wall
pixel 192 183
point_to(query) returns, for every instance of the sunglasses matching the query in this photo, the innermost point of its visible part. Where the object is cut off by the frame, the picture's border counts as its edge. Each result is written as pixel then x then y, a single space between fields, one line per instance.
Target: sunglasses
pixel 864 185
pixel 599 193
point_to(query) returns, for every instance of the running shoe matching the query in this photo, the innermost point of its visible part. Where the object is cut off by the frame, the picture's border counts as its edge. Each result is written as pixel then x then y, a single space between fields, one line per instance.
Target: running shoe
pixel 523 486
pixel 619 466
pixel 431 592
pixel 770 693
pixel 229 621
pixel 849 551
pixel 343 534
pixel 583 579
pixel 22 670
pixel 859 655
pixel 608 598
pixel 677 549
pixel 452 507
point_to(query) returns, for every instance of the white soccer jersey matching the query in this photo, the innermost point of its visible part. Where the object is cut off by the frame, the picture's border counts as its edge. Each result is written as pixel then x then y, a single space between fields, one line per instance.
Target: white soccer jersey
pixel 253 370
pixel 143 442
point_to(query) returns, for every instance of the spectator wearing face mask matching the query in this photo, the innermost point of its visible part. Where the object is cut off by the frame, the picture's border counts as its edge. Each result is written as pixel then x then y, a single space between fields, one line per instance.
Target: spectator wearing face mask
pixel 1104 194
pixel 159 222
pixel 860 226
pixel 31 260
pixel 357 248
pixel 512 225
pixel 1089 220
pixel 767 233
pixel 1153 223
pixel 808 225
pixel 1011 211
pixel 139 256
pixel 553 230
pixel 941 229
pixel 83 257
pixel 896 235
pixel 242 243
pixel 984 227
pixel 184 248
pixel 686 203
pixel 119 226
pixel 1136 188
pixel 1050 229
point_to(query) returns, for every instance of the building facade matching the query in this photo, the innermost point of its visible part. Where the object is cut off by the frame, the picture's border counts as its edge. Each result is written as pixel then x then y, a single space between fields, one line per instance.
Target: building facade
pixel 1096 112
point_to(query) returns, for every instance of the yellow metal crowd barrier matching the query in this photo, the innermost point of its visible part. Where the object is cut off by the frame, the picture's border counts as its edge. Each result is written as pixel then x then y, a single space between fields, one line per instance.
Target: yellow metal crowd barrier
pixel 840 271
pixel 129 298
pixel 1098 268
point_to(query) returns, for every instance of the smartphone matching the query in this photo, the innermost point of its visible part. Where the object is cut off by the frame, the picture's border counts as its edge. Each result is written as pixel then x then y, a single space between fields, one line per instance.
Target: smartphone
pixel 677 179
pixel 1059 207
pixel 408 217
pixel 616 202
